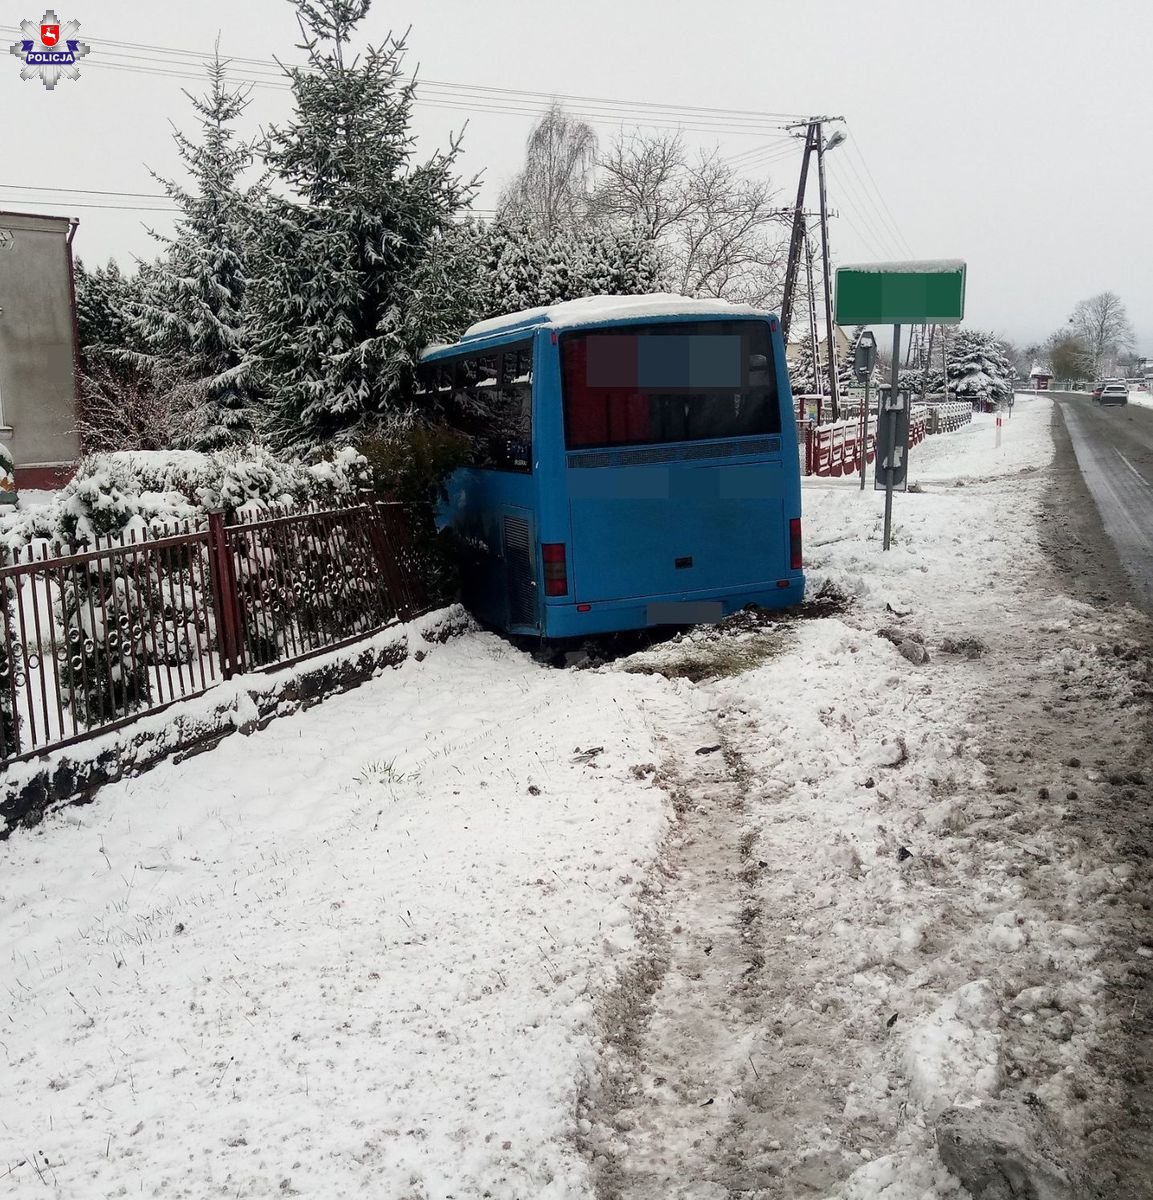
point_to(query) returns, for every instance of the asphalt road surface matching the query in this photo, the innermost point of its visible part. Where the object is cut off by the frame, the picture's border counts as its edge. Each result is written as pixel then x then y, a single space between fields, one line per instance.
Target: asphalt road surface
pixel 1114 448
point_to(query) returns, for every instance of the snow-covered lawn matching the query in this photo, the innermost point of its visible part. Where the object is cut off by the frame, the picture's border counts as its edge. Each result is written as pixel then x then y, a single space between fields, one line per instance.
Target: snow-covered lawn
pixel 434 937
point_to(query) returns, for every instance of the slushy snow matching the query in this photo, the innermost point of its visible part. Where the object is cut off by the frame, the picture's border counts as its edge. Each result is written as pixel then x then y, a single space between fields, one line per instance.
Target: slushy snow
pixel 421 940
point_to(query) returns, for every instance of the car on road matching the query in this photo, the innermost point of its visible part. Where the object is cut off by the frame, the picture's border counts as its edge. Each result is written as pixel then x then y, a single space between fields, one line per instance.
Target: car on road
pixel 1114 392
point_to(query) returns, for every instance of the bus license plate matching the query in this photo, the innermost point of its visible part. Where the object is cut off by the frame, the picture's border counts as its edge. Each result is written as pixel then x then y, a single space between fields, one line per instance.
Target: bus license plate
pixel 685 612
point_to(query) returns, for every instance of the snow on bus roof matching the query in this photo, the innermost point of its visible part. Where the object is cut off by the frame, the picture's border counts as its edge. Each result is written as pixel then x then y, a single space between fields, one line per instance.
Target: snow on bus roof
pixel 925 266
pixel 592 309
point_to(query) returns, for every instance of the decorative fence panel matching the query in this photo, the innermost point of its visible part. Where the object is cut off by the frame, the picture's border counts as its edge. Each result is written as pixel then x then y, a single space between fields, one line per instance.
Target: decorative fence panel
pixel 92 638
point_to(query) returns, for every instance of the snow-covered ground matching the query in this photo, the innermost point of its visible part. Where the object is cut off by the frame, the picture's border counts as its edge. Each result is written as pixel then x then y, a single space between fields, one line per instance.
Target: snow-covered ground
pixel 738 915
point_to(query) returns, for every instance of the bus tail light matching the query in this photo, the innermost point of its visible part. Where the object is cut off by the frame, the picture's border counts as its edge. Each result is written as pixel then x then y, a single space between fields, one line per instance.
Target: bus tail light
pixel 795 561
pixel 555 574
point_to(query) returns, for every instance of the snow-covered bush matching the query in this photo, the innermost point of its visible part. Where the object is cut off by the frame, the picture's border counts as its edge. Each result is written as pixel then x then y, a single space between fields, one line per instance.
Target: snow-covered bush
pixel 412 467
pixel 121 616
pixel 145 491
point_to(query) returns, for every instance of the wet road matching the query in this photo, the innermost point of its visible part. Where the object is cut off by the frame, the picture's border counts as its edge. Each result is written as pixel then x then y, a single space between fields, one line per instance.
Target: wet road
pixel 1114 448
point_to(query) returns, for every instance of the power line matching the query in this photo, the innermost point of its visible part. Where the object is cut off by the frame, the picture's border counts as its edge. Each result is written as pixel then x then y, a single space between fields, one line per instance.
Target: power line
pixel 27 187
pixel 892 220
pixel 708 115
pixel 881 241
pixel 85 204
pixel 483 105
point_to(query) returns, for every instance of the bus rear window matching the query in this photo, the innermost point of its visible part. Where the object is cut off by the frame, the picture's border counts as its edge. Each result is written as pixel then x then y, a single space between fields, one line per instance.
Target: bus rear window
pixel 674 382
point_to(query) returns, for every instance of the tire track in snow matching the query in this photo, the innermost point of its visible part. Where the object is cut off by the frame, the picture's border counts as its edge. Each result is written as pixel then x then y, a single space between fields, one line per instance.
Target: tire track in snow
pixel 672 1113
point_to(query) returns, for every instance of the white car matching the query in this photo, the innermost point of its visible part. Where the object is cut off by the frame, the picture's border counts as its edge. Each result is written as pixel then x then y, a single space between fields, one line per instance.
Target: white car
pixel 1115 391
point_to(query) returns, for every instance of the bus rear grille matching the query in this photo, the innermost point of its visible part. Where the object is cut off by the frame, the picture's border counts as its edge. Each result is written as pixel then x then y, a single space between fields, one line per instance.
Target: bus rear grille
pixel 647 455
pixel 518 565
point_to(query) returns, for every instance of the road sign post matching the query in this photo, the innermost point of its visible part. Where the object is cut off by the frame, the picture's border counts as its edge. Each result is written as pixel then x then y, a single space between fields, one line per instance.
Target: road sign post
pixel 892 439
pixel 864 433
pixel 898 293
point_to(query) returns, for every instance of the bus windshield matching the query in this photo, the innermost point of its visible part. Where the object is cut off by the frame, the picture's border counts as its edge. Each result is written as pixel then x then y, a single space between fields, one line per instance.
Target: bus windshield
pixel 668 382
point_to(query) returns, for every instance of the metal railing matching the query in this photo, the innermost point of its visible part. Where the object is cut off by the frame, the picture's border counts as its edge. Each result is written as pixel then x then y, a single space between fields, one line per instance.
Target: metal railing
pixel 93 637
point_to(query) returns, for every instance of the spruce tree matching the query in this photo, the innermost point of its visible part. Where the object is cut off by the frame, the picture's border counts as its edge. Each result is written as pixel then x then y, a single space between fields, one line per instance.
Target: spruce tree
pixel 979 369
pixel 191 315
pixel 336 320
pixel 803 371
pixel 104 298
pixel 527 267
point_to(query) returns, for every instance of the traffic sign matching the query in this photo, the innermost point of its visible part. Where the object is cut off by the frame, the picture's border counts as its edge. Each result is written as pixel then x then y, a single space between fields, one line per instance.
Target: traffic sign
pixel 901 293
pixel 865 356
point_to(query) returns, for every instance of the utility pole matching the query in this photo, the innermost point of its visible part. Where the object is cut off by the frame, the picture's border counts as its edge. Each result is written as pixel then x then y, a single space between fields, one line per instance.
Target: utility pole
pixel 928 363
pixel 945 359
pixel 830 349
pixel 813 344
pixel 796 242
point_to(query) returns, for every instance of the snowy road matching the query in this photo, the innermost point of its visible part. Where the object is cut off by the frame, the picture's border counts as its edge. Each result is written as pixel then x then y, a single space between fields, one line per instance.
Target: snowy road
pixel 1114 448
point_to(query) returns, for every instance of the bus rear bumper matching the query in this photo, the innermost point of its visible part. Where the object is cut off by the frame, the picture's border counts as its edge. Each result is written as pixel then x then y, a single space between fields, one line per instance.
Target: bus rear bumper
pixel 614 616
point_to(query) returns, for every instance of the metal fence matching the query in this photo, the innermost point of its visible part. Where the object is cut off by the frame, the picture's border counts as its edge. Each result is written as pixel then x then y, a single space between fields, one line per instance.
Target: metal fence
pixel 95 637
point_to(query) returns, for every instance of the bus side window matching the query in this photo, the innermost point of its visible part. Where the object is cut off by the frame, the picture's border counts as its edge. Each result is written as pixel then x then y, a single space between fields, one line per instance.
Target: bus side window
pixel 505 442
pixel 489 398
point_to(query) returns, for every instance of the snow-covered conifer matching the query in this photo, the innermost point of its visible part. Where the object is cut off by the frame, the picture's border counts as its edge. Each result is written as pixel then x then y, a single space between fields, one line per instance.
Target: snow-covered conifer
pixel 979 369
pixel 190 316
pixel 336 323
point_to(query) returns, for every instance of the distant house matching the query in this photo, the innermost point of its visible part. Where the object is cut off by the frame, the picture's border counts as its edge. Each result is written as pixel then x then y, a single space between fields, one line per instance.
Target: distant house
pixel 38 348
pixel 1040 378
pixel 799 339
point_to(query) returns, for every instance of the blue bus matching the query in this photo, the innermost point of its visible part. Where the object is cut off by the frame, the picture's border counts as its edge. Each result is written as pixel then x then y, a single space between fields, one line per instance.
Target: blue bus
pixel 634 463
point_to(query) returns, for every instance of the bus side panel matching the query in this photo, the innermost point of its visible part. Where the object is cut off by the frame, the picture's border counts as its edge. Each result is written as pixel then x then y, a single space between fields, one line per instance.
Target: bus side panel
pixel 554 526
pixel 491 514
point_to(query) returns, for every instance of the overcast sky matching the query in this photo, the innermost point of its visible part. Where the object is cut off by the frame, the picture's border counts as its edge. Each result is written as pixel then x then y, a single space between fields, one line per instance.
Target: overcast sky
pixel 1012 134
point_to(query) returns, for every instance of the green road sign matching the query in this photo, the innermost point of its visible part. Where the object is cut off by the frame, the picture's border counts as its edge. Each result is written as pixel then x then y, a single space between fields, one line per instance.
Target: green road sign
pixel 901 293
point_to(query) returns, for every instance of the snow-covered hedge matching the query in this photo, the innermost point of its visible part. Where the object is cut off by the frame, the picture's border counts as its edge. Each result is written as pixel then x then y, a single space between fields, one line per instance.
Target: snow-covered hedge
pixel 143 490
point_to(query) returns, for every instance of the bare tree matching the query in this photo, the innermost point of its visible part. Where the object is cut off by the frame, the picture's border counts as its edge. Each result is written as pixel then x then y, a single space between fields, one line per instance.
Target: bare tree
pixel 1067 355
pixel 716 233
pixel 552 189
pixel 1102 324
pixel 122 407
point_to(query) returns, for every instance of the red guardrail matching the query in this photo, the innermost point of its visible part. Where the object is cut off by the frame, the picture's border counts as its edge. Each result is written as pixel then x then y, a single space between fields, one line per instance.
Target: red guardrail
pixel 833 451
